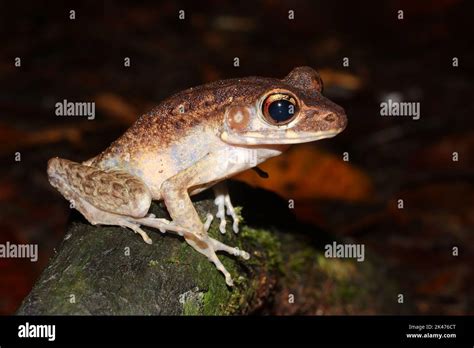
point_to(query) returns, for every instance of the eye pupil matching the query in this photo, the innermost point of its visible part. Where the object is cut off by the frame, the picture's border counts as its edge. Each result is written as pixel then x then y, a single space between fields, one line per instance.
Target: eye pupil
pixel 281 110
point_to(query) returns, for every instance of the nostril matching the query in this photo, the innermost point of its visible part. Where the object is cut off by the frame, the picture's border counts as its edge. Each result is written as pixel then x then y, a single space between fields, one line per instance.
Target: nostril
pixel 330 118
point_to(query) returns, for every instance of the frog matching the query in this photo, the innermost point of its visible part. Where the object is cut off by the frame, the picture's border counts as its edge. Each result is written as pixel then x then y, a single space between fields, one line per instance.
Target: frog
pixel 191 142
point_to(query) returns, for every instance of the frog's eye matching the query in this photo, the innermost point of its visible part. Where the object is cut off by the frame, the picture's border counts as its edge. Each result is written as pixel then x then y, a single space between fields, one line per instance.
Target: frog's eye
pixel 279 108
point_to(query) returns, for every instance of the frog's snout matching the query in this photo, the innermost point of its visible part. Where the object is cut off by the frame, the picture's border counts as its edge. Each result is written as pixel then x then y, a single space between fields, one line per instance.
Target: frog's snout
pixel 51 166
pixel 341 121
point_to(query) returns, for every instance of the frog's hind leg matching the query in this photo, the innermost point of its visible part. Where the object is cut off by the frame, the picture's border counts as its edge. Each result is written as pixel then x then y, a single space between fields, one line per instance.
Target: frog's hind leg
pixel 118 198
pixel 103 197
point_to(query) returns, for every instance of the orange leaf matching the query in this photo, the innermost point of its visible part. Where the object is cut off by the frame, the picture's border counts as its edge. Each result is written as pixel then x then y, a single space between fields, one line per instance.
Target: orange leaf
pixel 306 172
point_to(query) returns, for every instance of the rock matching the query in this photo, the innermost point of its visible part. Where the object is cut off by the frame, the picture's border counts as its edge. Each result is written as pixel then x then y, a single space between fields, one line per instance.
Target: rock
pixel 106 270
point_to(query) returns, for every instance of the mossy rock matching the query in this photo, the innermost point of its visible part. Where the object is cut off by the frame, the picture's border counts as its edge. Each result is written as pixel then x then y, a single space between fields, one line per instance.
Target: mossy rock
pixel 110 270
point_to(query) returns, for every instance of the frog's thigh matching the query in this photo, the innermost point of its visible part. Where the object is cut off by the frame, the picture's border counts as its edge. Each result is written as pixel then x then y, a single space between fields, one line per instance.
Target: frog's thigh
pixel 103 197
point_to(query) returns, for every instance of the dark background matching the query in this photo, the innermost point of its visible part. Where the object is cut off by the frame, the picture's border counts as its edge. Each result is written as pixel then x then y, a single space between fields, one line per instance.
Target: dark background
pixel 390 157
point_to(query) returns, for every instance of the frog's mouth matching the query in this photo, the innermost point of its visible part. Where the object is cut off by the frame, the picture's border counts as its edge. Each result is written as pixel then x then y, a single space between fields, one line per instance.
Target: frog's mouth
pixel 281 137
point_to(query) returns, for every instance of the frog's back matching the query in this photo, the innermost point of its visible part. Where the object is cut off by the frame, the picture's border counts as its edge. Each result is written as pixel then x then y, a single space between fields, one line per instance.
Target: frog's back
pixel 179 114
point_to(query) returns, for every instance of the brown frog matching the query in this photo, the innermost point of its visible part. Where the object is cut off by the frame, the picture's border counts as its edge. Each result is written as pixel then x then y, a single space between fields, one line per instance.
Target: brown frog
pixel 190 142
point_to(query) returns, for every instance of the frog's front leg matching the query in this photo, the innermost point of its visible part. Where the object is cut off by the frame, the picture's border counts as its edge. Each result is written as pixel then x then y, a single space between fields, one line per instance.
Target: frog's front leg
pixel 222 201
pixel 175 194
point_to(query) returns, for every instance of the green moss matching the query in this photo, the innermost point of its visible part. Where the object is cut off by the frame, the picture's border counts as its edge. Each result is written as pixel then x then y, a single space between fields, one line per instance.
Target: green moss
pixel 173 259
pixel 70 284
pixel 240 298
pixel 300 260
pixel 338 269
pixel 193 301
pixel 153 263
pixel 353 283
pixel 217 292
pixel 219 299
pixel 265 243
pixel 191 308
pixel 265 252
pixel 347 292
pixel 238 213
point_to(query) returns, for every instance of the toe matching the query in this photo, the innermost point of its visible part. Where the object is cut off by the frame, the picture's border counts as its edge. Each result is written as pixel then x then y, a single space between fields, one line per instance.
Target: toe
pixel 222 226
pixel 229 281
pixel 208 222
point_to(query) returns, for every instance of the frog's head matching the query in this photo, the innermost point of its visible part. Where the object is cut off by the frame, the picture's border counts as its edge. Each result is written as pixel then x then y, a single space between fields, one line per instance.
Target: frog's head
pixel 287 111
